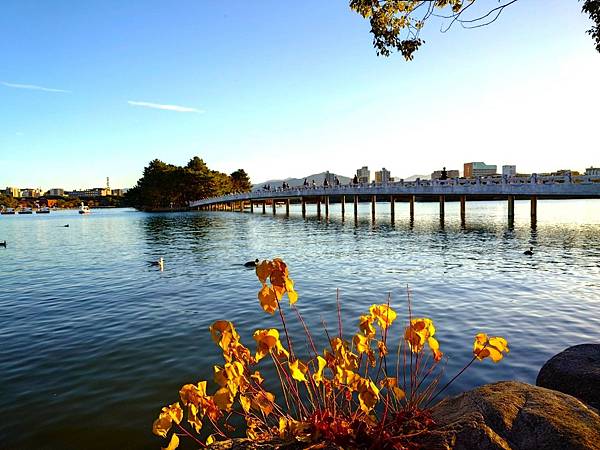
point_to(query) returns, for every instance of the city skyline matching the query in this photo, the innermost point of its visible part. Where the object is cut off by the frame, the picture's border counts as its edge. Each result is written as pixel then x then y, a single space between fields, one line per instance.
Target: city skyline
pixel 287 82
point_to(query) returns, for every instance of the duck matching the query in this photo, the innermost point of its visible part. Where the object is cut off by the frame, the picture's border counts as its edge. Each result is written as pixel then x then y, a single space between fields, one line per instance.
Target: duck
pixel 3 244
pixel 66 226
pixel 251 263
pixel 528 252
pixel 160 263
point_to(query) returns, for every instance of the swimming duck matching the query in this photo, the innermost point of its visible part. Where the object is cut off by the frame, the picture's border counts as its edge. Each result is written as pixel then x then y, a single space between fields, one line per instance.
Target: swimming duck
pixel 251 263
pixel 160 263
pixel 3 244
pixel 528 252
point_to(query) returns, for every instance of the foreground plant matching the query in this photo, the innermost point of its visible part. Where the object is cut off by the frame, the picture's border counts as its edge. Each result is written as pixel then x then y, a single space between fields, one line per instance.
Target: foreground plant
pixel 348 395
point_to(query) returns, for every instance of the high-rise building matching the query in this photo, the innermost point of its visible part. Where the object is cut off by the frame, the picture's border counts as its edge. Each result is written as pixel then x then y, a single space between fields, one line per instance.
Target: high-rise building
pixel 12 192
pixel 479 169
pixel 382 176
pixel 364 175
pixel 509 171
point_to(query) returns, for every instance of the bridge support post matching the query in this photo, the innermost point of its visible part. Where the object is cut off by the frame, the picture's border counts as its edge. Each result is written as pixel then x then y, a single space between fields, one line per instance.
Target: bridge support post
pixel 463 209
pixel 442 206
pixel 303 200
pixel 319 207
pixel 326 201
pixel 533 208
pixel 392 208
pixel 343 204
pixel 287 207
pixel 273 206
pixel 264 206
pixel 251 206
pixel 373 200
pixel 356 208
pixel 411 200
pixel 511 207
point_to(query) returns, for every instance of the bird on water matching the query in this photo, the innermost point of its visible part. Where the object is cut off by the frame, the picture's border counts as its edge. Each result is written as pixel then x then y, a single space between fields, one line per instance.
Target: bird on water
pixel 252 263
pixel 528 252
pixel 160 263
pixel 3 244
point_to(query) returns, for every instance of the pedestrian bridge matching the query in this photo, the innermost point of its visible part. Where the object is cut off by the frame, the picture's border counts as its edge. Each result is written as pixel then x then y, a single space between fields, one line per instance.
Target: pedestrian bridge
pixel 534 187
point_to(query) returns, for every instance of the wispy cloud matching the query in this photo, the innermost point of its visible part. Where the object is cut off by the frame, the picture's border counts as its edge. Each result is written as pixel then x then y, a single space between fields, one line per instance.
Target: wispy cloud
pixel 165 107
pixel 32 87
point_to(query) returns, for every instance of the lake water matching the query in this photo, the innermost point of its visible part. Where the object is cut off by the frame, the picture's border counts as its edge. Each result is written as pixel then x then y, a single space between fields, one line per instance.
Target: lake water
pixel 93 341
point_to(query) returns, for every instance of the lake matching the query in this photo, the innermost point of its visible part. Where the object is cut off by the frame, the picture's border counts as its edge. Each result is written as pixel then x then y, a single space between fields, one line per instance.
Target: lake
pixel 94 340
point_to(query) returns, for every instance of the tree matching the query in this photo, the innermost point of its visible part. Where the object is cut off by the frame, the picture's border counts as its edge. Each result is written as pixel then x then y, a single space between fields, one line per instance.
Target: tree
pixel 396 24
pixel 240 181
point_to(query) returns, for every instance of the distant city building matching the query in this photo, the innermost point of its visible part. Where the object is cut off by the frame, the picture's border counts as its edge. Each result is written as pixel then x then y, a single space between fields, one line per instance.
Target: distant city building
pixel 93 192
pixel 55 192
pixel 592 171
pixel 364 175
pixel 31 192
pixel 478 169
pixel 330 178
pixel 437 174
pixel 117 192
pixel 509 171
pixel 382 176
pixel 12 192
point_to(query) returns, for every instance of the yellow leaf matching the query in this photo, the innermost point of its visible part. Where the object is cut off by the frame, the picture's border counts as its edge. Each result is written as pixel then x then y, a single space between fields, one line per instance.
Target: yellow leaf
pixel 173 443
pixel 266 340
pixel 268 299
pixel 223 399
pixel 263 401
pixel 361 343
pixel 384 315
pixel 366 325
pixel 210 439
pixel 493 347
pixel 318 375
pixel 298 370
pixel 168 415
pixel 193 418
pixel 245 402
pixel 293 296
pixel 256 376
pixel 263 270
pixel 368 395
pixel 398 393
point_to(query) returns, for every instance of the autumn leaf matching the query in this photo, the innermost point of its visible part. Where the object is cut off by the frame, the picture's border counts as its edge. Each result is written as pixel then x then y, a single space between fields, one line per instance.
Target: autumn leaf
pixel 268 299
pixel 168 415
pixel 493 347
pixel 383 314
pixel 298 370
pixel 173 443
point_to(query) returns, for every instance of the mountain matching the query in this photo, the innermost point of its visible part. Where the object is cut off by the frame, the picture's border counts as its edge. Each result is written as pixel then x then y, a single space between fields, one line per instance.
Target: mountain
pixel 414 177
pixel 294 182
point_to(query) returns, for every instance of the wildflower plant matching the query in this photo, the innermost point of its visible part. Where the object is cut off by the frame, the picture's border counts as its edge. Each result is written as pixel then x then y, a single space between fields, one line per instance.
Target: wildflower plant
pixel 352 394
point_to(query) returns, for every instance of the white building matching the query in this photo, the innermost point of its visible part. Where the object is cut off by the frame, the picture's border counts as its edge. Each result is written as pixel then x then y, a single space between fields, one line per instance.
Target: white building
pixel 509 171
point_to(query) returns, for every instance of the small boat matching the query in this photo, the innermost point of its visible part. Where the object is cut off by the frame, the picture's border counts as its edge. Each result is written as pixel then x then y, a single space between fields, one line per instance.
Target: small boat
pixel 43 210
pixel 84 209
pixel 9 211
pixel 26 211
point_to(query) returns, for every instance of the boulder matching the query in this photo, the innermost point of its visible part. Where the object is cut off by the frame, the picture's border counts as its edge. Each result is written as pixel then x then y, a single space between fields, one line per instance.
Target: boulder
pixel 575 371
pixel 514 415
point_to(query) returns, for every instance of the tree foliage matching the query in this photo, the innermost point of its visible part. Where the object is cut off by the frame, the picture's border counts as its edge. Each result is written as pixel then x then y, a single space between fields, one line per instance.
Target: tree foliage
pixel 396 24
pixel 169 186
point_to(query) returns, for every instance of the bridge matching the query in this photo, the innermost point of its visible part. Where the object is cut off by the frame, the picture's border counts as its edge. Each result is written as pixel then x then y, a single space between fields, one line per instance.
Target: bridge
pixel 490 188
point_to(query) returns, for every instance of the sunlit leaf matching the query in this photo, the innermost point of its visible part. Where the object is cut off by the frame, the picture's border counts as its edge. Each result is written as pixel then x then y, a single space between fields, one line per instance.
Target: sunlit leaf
pixel 298 370
pixel 493 347
pixel 173 443
pixel 361 343
pixel 384 315
pixel 223 399
pixel 268 299
pixel 263 271
pixel 318 375
pixel 263 401
pixel 168 415
pixel 245 402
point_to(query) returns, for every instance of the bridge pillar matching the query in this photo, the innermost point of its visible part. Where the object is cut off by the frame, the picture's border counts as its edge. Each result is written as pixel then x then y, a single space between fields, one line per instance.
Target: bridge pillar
pixel 287 207
pixel 251 206
pixel 303 200
pixel 356 208
pixel 392 208
pixel 411 200
pixel 273 206
pixel 463 209
pixel 511 207
pixel 343 203
pixel 326 201
pixel 319 207
pixel 373 200
pixel 442 206
pixel 264 206
pixel 533 208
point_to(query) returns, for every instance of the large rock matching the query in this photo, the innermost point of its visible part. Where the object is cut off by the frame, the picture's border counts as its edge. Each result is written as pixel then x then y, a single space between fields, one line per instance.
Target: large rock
pixel 514 415
pixel 575 371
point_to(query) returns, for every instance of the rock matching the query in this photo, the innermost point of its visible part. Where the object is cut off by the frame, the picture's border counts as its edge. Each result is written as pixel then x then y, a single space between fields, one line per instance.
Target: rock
pixel 575 371
pixel 514 415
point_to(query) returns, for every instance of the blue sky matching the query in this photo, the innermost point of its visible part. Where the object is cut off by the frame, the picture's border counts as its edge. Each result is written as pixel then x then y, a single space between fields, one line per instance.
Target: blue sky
pixel 285 89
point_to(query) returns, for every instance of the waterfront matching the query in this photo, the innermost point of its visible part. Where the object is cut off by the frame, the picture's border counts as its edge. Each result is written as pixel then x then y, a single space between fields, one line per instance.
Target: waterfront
pixel 95 341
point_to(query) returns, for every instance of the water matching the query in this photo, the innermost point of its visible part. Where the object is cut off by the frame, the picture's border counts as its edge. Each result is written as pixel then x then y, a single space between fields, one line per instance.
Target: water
pixel 93 340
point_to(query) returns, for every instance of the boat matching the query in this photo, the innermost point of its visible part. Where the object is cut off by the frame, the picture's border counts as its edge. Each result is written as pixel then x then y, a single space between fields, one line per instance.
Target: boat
pixel 43 210
pixel 84 209
pixel 8 211
pixel 25 211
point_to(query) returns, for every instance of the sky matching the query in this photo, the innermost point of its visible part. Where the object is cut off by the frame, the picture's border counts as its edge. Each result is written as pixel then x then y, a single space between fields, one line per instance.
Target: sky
pixel 98 89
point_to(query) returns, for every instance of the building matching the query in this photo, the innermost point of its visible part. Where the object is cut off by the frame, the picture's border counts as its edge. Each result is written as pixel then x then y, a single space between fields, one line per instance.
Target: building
pixel 12 192
pixel 509 171
pixel 93 192
pixel 364 175
pixel 479 169
pixel 382 176
pixel 31 192
pixel 330 178
pixel 117 192
pixel 437 174
pixel 592 171
pixel 55 192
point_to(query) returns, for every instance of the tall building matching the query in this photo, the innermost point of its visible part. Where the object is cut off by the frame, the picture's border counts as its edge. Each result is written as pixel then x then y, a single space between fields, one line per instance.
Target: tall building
pixel 382 176
pixel 364 175
pixel 592 171
pixel 437 174
pixel 12 192
pixel 509 171
pixel 479 169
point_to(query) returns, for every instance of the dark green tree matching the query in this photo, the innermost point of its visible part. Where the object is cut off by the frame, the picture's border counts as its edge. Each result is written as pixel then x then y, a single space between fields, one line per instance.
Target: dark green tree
pixel 240 181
